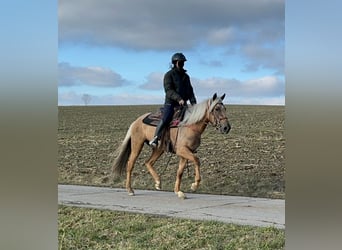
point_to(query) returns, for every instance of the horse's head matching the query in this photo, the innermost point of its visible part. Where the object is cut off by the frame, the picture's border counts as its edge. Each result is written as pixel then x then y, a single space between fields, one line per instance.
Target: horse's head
pixel 217 114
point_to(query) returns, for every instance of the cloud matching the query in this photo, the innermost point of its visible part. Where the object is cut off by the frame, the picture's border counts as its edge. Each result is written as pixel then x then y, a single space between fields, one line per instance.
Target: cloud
pixel 263 57
pixel 256 29
pixel 221 36
pixel 94 76
pixel 154 81
pixel 267 86
pixel 164 25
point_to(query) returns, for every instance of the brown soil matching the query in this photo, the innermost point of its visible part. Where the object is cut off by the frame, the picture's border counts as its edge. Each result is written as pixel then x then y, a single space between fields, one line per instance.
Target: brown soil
pixel 249 161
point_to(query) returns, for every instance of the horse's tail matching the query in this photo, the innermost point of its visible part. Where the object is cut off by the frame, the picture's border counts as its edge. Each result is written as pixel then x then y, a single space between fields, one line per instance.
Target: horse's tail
pixel 123 153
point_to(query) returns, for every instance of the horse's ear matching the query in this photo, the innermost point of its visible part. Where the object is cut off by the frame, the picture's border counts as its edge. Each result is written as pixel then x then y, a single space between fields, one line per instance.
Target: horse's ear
pixel 214 96
pixel 222 97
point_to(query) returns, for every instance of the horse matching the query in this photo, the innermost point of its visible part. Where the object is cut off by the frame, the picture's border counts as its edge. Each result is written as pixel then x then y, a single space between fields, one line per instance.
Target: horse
pixel 185 138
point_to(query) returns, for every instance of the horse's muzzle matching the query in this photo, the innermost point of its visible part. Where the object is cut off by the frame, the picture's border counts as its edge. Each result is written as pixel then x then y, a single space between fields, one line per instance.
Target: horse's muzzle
pixel 225 129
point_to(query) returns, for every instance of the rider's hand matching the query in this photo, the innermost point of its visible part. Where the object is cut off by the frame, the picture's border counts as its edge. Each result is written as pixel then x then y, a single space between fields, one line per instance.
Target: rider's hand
pixel 181 102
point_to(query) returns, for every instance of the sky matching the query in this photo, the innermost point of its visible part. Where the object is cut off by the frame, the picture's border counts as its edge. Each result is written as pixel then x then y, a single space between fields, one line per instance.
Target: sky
pixel 117 52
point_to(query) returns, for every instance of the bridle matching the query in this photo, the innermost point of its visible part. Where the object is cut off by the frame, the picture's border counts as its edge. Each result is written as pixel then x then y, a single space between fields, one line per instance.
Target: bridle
pixel 217 120
pixel 218 124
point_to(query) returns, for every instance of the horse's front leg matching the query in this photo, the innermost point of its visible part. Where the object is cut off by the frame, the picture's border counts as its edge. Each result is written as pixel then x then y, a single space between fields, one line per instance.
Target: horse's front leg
pixel 195 185
pixel 180 171
pixel 187 154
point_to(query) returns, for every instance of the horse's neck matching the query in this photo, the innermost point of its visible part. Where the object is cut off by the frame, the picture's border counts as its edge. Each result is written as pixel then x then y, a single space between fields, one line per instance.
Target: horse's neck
pixel 203 125
pixel 200 126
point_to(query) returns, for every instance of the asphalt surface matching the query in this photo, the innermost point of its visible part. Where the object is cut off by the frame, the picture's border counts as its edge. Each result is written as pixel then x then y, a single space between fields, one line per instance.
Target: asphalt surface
pixel 229 209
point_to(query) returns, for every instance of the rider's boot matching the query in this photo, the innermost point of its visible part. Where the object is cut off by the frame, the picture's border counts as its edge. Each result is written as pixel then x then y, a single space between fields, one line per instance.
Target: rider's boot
pixel 159 128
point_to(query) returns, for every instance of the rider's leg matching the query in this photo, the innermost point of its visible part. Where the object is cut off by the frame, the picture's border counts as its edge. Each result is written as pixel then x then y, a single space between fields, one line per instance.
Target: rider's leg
pixel 167 117
pixel 157 134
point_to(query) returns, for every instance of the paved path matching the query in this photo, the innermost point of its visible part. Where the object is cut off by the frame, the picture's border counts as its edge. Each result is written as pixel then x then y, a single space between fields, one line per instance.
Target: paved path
pixel 229 209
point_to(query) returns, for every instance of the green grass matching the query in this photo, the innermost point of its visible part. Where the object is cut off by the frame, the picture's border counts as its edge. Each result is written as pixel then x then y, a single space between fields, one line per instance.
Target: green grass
pixel 81 228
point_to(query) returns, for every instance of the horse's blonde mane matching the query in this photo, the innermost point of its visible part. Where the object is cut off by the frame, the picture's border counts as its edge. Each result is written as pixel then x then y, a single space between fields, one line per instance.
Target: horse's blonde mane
pixel 196 112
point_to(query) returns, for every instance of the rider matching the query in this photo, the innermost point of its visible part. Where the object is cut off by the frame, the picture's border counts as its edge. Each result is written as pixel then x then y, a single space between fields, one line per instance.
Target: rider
pixel 178 91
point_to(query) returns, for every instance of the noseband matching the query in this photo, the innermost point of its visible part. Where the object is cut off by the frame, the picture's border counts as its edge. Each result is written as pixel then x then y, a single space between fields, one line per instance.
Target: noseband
pixel 218 124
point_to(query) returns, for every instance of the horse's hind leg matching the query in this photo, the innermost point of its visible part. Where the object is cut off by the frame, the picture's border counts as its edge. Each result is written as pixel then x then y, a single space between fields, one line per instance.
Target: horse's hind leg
pixel 136 149
pixel 149 164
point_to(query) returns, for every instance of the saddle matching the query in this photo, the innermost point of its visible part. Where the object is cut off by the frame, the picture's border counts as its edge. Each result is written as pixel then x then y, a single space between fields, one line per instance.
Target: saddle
pixel 153 119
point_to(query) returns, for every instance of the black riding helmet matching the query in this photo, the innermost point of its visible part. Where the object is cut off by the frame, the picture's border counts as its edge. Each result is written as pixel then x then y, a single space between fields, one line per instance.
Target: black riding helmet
pixel 178 57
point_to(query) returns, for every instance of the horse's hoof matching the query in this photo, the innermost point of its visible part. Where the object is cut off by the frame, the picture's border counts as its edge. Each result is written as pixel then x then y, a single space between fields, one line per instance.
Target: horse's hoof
pixel 181 195
pixel 194 187
pixel 157 185
pixel 131 193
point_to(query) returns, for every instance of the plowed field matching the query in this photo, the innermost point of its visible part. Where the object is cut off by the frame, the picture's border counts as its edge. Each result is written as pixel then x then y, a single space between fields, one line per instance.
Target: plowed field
pixel 249 161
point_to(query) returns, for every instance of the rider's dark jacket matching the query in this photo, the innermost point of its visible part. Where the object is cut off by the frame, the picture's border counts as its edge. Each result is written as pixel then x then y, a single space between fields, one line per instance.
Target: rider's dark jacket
pixel 177 86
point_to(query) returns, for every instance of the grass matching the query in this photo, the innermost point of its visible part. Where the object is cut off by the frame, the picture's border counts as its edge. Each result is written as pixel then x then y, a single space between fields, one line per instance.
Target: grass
pixel 81 228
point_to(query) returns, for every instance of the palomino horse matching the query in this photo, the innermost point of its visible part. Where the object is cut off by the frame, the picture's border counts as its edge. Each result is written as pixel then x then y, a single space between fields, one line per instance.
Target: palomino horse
pixel 185 138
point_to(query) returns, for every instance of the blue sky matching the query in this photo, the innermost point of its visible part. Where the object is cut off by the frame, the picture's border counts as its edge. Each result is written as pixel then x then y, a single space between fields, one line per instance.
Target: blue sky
pixel 118 51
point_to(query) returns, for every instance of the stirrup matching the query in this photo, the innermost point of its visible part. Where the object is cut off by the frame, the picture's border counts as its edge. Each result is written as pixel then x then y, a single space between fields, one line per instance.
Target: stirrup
pixel 154 142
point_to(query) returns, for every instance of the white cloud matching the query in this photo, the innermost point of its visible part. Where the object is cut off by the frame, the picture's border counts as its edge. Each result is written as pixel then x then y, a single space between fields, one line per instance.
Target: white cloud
pixel 154 81
pixel 94 76
pixel 261 87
